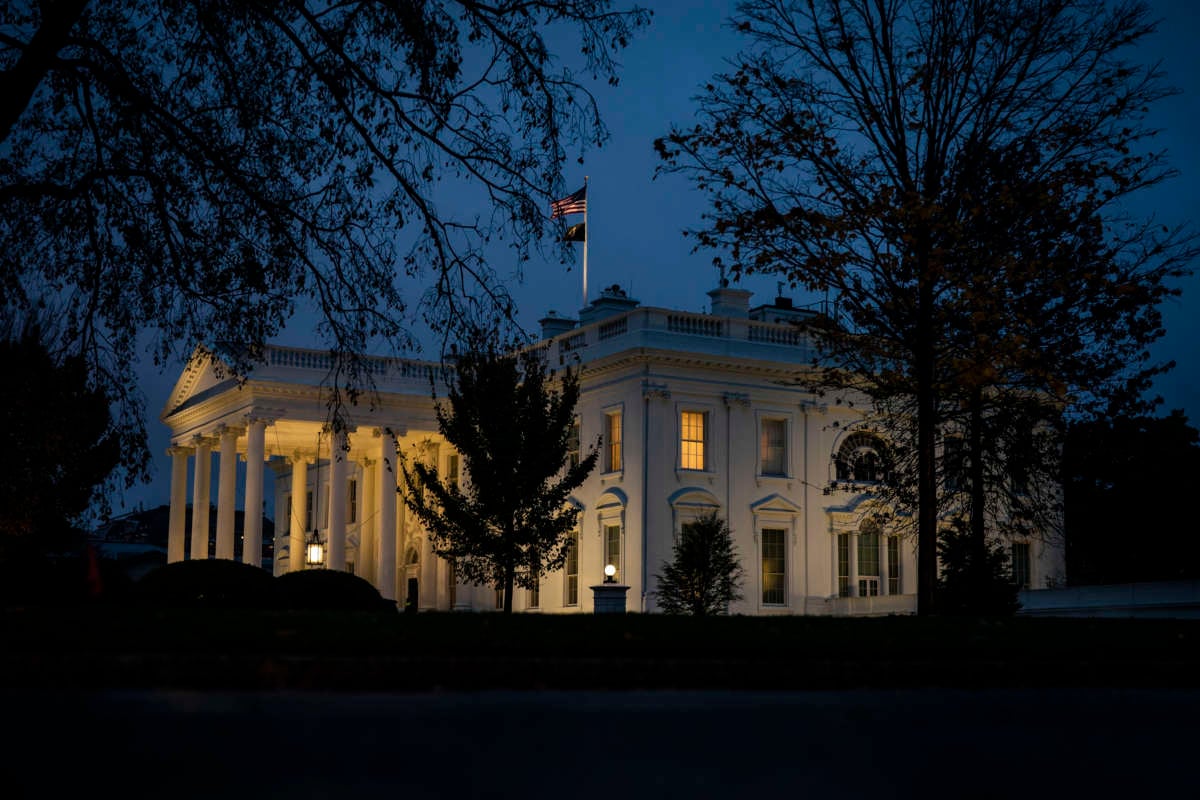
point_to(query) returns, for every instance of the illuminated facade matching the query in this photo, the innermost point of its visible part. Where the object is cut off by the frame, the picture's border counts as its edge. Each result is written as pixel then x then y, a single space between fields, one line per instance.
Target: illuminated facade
pixel 696 413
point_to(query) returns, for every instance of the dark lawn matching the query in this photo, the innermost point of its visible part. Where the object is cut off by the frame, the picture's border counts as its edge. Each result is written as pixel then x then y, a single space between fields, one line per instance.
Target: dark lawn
pixel 117 646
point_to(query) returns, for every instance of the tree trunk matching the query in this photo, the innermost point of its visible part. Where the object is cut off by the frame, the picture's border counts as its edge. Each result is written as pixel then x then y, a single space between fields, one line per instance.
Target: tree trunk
pixel 509 574
pixel 978 494
pixel 923 358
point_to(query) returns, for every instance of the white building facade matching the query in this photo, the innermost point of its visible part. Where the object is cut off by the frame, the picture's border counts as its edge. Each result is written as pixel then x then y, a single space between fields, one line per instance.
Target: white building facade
pixel 694 412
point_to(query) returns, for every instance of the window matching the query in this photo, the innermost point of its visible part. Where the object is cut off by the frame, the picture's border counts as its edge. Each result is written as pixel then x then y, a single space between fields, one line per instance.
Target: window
pixel 288 502
pixel 573 444
pixel 612 548
pixel 773 447
pixel 308 514
pixel 868 562
pixel 451 581
pixel 953 463
pixel 571 571
pixel 452 469
pixel 499 599
pixel 843 564
pixel 893 564
pixel 1020 565
pixel 691 439
pixel 773 566
pixel 612 450
pixel 352 500
pixel 533 600
pixel 861 459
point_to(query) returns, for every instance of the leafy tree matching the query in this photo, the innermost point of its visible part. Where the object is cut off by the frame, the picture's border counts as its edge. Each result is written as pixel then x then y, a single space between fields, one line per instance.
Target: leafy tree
pixel 974 581
pixel 59 440
pixel 704 575
pixel 510 419
pixel 1125 517
pixel 861 148
pixel 192 173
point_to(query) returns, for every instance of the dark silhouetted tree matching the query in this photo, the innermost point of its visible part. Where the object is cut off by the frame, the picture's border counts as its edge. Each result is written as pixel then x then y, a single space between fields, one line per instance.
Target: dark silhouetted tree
pixel 60 442
pixel 859 148
pixel 511 420
pixel 703 576
pixel 1127 515
pixel 971 582
pixel 192 173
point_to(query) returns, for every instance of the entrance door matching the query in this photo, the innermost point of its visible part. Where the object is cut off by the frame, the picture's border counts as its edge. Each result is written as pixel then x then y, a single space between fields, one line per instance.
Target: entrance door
pixel 410 599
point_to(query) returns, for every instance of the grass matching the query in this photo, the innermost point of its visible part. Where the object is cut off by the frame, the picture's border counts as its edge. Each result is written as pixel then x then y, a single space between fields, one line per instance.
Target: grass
pixel 120 646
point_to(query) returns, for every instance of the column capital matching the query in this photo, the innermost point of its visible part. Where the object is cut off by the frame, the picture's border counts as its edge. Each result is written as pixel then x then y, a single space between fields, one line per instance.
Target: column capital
pixel 299 455
pixel 259 419
pixel 204 441
pixel 229 430
pixel 179 450
pixel 365 461
pixel 395 430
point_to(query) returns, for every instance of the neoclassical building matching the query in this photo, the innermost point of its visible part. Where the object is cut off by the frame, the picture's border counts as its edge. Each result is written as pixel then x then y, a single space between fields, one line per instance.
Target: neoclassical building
pixel 696 413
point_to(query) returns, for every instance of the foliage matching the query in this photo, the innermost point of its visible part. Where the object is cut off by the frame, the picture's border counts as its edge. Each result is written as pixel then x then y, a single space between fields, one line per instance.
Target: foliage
pixel 60 441
pixel 954 173
pixel 510 419
pixel 194 173
pixel 1125 519
pixel 974 580
pixel 206 583
pixel 329 589
pixel 704 575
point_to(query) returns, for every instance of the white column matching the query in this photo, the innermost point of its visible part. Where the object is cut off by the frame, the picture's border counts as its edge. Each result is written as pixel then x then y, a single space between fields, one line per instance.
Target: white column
pixel 227 492
pixel 338 458
pixel 282 522
pixel 201 479
pixel 427 588
pixel 177 528
pixel 299 516
pixel 854 564
pixel 368 518
pixel 386 488
pixel 252 515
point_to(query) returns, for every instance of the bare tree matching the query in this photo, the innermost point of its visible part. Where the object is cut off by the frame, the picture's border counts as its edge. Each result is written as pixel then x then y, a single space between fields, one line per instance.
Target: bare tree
pixel 190 173
pixel 838 154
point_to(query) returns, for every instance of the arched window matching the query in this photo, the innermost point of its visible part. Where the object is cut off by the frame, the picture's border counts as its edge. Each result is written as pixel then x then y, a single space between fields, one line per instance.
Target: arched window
pixel 862 459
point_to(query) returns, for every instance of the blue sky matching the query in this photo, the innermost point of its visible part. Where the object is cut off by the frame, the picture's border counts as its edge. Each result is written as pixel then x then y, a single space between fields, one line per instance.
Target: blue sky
pixel 635 220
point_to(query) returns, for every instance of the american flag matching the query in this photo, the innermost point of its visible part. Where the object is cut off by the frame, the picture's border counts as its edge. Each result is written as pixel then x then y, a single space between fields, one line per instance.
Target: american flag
pixel 574 203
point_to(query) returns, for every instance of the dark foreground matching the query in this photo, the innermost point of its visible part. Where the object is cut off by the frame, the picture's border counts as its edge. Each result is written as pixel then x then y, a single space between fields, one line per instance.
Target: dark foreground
pixel 896 743
pixel 102 647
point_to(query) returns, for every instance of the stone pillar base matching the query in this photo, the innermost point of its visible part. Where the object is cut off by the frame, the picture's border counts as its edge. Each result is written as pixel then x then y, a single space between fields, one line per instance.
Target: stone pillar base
pixel 609 598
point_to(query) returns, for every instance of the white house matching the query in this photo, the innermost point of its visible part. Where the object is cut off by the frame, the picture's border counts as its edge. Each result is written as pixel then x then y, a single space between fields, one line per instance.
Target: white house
pixel 696 412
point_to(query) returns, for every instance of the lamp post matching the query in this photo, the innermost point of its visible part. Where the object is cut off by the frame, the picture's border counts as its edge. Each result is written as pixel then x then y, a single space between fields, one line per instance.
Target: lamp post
pixel 610 572
pixel 609 597
pixel 314 550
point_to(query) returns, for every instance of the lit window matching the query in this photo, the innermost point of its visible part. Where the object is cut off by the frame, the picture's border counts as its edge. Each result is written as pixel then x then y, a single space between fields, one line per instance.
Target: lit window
pixel 352 500
pixel 1020 565
pixel 691 436
pixel 573 444
pixel 571 571
pixel 773 569
pixel 612 429
pixel 893 562
pixel 773 447
pixel 612 548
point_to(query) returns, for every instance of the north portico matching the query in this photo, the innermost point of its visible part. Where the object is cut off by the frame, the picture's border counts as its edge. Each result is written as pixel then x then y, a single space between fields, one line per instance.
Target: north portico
pixel 340 483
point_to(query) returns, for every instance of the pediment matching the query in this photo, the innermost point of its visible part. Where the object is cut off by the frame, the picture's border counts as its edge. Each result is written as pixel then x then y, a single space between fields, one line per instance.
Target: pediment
pixel 774 503
pixel 203 373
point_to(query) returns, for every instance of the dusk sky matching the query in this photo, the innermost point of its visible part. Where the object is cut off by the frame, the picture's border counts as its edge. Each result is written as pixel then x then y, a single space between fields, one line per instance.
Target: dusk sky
pixel 634 220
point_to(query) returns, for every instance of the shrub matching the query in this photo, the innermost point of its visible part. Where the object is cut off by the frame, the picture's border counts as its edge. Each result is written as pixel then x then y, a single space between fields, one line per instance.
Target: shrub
pixel 329 589
pixel 207 583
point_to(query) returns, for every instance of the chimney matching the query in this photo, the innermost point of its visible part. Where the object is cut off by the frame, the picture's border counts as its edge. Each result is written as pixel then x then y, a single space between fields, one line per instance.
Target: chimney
pixel 728 302
pixel 612 301
pixel 552 324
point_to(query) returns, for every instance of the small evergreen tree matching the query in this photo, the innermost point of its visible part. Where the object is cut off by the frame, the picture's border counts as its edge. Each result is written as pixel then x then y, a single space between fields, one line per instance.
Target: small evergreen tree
pixel 510 420
pixel 704 575
pixel 974 581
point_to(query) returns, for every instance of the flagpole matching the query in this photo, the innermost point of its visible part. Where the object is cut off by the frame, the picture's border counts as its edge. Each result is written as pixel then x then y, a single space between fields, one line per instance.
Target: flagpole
pixel 587 234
